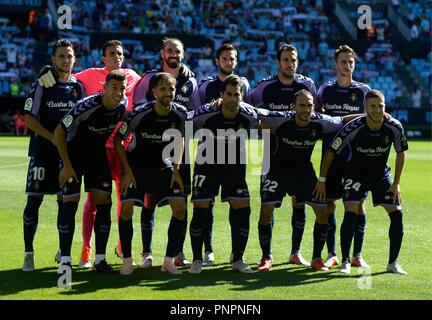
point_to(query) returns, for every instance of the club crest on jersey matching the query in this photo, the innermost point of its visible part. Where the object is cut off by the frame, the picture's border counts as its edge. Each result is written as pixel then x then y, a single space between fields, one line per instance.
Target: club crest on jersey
pixel 386 139
pixel 74 93
pixel 28 104
pixel 184 89
pixel 314 133
pixel 353 96
pixel 123 128
pixel 337 143
pixel 67 121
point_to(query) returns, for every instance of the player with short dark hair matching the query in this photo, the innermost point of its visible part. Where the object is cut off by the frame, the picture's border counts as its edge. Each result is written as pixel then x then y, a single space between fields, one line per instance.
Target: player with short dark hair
pixel 93 80
pixel 43 109
pixel 296 134
pixel 209 90
pixel 225 122
pixel 149 177
pixel 83 131
pixel 276 93
pixel 172 54
pixel 369 138
pixel 341 97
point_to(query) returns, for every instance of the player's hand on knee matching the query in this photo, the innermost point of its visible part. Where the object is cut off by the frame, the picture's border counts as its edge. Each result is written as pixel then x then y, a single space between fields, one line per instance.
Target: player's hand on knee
pixel 127 181
pixel 186 72
pixel 47 77
pixel 395 190
pixel 67 174
pixel 319 192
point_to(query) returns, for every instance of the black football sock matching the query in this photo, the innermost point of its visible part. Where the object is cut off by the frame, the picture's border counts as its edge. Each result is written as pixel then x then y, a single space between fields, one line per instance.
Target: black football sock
pixel 298 222
pixel 396 232
pixel 319 237
pixel 242 231
pixel 208 230
pixel 174 236
pixel 265 236
pixel 30 221
pixel 196 232
pixel 126 235
pixel 147 225
pixel 66 226
pixel 232 222
pixel 347 233
pixel 331 234
pixel 182 233
pixel 102 227
pixel 59 206
pixel 359 231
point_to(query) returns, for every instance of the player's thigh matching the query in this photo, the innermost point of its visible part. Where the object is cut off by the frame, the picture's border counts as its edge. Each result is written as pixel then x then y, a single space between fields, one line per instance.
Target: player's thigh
pixel 300 188
pixel 381 196
pixel 178 207
pixel 354 193
pixel 320 213
pixel 205 186
pixel 272 189
pixel 42 175
pixel 334 181
pixel 235 189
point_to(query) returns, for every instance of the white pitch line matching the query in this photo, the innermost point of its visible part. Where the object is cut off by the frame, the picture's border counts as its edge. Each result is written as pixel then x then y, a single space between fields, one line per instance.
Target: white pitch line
pixel 13 165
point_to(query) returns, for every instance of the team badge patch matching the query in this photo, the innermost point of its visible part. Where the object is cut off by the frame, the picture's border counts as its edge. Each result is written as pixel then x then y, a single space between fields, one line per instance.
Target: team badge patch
pixel 67 121
pixel 184 89
pixel 386 139
pixel 123 128
pixel 337 143
pixel 28 104
pixel 353 96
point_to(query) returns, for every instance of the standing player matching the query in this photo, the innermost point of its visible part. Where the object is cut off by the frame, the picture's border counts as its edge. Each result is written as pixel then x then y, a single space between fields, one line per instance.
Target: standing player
pixel 94 80
pixel 291 171
pixel 172 54
pixel 217 121
pixel 150 178
pixel 370 138
pixel 341 97
pixel 276 93
pixel 209 90
pixel 44 108
pixel 82 132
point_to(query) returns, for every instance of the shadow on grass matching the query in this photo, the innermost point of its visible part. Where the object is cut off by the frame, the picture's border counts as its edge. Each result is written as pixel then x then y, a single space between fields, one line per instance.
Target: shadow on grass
pixel 85 281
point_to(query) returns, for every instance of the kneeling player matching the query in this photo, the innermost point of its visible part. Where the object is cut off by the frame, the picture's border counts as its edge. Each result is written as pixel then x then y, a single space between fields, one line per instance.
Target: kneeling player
pixel 150 177
pixel 370 138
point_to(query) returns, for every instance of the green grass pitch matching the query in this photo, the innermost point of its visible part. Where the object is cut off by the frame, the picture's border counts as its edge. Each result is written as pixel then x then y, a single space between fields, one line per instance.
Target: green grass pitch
pixel 284 282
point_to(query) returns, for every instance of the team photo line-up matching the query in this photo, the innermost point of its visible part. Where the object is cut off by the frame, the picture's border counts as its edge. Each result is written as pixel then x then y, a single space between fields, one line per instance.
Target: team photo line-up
pixel 133 127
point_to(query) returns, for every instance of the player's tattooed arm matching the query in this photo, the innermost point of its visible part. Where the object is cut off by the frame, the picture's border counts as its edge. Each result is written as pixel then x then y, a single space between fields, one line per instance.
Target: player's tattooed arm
pixel 128 179
pixel 67 173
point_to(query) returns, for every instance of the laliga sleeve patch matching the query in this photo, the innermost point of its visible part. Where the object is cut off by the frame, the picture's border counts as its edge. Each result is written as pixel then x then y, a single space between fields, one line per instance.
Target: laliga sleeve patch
pixel 337 143
pixel 28 104
pixel 67 121
pixel 123 128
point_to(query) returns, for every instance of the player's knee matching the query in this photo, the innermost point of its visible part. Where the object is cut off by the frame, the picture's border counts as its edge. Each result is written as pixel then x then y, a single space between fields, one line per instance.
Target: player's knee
pixel 331 206
pixel 266 214
pixel 102 198
pixel 71 199
pixel 321 214
pixel 351 207
pixel 126 211
pixel 239 204
pixel 201 204
pixel 362 208
pixel 179 210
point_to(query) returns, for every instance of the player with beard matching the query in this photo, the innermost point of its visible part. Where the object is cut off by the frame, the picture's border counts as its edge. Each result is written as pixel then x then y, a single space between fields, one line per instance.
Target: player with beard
pixel 172 54
pixel 276 93
pixel 209 90
pixel 44 108
pixel 341 97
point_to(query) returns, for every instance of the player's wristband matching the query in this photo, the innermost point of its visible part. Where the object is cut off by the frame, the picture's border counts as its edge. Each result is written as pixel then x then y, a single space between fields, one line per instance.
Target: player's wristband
pixel 322 179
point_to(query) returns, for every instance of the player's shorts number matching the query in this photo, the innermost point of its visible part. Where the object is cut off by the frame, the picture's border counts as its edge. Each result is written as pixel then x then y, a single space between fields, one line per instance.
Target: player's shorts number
pixel 350 185
pixel 38 173
pixel 270 185
pixel 199 180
